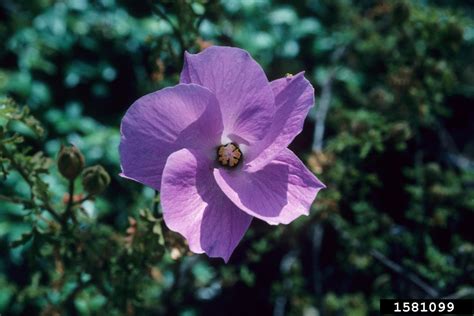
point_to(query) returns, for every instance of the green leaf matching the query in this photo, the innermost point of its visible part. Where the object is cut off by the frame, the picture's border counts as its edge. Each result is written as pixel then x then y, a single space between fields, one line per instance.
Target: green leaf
pixel 25 237
pixel 158 230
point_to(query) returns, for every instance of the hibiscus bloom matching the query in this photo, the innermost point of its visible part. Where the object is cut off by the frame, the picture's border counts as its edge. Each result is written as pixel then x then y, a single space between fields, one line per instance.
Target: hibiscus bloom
pixel 215 146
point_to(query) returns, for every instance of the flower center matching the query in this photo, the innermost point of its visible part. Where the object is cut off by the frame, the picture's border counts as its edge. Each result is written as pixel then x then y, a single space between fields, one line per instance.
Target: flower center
pixel 229 155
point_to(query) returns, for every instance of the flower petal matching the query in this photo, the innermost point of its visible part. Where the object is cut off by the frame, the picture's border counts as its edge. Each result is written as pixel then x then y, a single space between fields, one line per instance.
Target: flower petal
pixel 294 97
pixel 162 122
pixel 241 87
pixel 278 193
pixel 194 206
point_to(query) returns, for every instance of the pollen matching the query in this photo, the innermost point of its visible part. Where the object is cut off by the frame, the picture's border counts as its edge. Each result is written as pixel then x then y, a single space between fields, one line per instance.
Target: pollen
pixel 229 155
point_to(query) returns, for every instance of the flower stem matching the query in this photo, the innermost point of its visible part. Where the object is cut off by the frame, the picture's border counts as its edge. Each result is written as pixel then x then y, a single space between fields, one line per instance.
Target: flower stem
pixel 156 211
pixel 87 197
pixel 68 212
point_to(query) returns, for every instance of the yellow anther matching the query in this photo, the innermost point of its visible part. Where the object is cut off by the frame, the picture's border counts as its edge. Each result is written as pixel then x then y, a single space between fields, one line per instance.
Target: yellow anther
pixel 229 155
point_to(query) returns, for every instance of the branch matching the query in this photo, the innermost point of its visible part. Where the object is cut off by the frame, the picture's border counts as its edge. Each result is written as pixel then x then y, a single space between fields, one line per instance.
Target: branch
pixel 281 301
pixel 18 168
pixel 316 240
pixel 462 293
pixel 341 228
pixel 155 205
pixel 452 153
pixel 321 113
pixel 71 296
pixel 50 209
pixel 325 101
pixel 68 211
pixel 17 200
pixel 176 30
pixel 395 267
pixel 30 204
pixel 87 197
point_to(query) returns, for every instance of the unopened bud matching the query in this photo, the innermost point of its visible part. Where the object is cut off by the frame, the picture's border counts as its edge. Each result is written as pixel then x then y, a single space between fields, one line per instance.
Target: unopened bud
pixel 70 162
pixel 95 179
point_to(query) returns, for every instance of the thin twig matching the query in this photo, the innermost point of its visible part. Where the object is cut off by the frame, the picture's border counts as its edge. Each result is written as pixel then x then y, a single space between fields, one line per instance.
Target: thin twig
pixel 16 200
pixel 87 197
pixel 325 101
pixel 68 212
pixel 285 266
pixel 340 226
pixel 155 204
pixel 18 168
pixel 201 18
pixel 316 241
pixel 30 204
pixel 81 286
pixel 176 30
pixel 451 150
pixel 51 210
pixel 395 267
pixel 321 113
pixel 462 293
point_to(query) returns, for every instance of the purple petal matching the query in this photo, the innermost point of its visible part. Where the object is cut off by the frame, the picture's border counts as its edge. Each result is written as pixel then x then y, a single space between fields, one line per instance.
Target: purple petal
pixel 194 206
pixel 241 87
pixel 294 97
pixel 162 122
pixel 278 193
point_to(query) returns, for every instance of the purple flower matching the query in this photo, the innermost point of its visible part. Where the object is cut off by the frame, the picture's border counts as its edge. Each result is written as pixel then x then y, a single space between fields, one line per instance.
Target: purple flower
pixel 215 146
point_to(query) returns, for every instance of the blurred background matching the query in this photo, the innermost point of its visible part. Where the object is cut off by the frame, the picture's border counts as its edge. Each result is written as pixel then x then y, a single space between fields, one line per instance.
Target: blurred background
pixel 391 136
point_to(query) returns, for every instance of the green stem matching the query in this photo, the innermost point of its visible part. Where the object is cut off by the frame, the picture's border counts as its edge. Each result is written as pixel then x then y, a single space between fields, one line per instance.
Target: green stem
pixel 155 205
pixel 176 30
pixel 68 212
pixel 18 168
pixel 30 204
pixel 87 197
pixel 16 200
pixel 53 212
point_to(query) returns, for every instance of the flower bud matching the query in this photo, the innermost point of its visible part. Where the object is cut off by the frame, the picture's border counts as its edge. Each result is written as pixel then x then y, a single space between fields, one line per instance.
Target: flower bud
pixel 95 179
pixel 70 162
